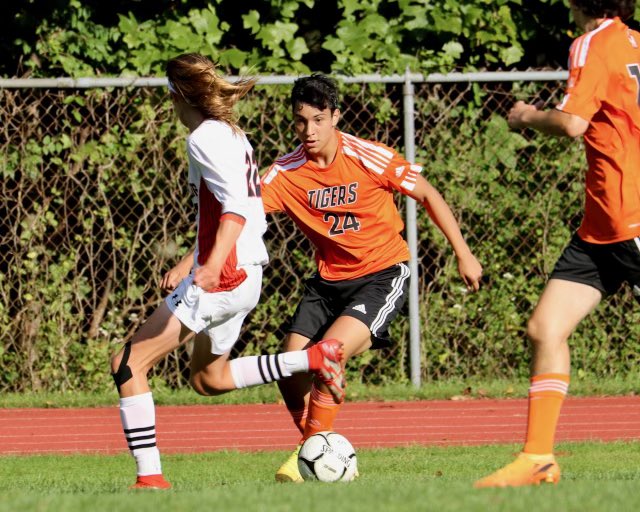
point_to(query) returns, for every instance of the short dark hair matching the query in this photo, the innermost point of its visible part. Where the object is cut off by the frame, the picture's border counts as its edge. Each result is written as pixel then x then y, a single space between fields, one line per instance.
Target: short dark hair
pixel 607 8
pixel 316 90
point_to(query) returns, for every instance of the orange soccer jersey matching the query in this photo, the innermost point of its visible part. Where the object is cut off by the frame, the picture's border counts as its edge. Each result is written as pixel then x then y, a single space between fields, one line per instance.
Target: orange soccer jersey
pixel 604 88
pixel 347 209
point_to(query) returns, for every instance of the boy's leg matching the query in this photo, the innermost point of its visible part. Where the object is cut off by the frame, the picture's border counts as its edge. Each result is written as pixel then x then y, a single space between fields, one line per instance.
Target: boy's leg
pixel 356 338
pixel 322 406
pixel 562 306
pixel 159 335
pixel 213 374
pixel 295 390
pixel 367 307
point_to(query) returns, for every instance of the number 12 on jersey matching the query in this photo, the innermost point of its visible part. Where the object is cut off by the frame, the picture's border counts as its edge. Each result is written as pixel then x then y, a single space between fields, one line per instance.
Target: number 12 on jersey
pixel 253 178
pixel 341 222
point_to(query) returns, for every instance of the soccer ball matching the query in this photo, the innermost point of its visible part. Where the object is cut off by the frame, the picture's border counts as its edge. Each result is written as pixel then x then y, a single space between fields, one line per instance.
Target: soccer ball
pixel 328 457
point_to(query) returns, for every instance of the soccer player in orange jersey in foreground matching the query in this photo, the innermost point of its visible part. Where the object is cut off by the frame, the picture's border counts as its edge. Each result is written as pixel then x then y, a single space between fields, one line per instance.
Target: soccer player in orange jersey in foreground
pixel 602 103
pixel 339 190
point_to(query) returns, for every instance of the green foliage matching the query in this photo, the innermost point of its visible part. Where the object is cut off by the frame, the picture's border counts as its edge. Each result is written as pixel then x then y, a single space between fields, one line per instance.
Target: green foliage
pixel 287 37
pixel 481 31
pixel 82 38
pixel 80 48
pixel 103 211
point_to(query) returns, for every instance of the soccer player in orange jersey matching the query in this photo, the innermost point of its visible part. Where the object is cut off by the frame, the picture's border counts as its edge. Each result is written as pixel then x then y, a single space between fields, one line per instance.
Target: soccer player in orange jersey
pixel 339 190
pixel 602 103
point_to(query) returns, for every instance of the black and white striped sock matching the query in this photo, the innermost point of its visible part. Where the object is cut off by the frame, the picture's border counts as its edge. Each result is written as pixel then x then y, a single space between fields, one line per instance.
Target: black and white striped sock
pixel 138 416
pixel 254 370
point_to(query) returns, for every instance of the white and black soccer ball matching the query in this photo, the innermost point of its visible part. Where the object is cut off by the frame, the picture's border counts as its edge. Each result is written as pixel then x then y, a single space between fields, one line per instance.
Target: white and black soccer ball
pixel 328 457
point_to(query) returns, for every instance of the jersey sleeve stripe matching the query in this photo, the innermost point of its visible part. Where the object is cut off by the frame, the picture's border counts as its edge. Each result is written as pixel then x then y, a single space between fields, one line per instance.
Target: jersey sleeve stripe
pixel 286 163
pixel 580 58
pixel 575 51
pixel 293 164
pixel 294 155
pixel 371 155
pixel 564 101
pixel 409 182
pixel 384 152
pixel 271 173
pixel 233 217
pixel 367 163
pixel 376 161
pixel 382 158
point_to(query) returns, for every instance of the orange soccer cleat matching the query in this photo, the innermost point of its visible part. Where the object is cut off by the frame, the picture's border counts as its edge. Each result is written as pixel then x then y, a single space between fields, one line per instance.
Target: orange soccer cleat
pixel 325 360
pixel 151 482
pixel 527 469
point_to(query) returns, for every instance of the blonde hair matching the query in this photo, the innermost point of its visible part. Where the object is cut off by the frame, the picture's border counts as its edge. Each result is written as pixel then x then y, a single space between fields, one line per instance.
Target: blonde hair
pixel 193 77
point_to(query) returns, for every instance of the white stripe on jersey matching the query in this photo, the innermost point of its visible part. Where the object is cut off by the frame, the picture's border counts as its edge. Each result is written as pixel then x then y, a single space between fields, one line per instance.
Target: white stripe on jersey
pixel 409 182
pixel 582 45
pixel 382 151
pixel 367 163
pixel 374 158
pixel 575 51
pixel 561 105
pixel 289 161
pixel 390 301
pixel 295 155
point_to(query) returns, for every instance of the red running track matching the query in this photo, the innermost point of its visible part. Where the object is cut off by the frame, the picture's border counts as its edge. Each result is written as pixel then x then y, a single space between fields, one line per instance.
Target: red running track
pixel 184 429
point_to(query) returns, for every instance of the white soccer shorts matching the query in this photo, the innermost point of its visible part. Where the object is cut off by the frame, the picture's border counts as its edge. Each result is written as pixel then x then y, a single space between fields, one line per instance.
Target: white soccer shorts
pixel 218 314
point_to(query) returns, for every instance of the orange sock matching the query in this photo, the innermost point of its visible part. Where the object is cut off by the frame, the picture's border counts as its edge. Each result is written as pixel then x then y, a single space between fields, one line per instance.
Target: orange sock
pixel 546 394
pixel 299 418
pixel 322 412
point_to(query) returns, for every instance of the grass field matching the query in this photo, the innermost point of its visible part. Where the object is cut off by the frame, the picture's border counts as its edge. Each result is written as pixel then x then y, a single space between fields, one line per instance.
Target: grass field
pixel 596 477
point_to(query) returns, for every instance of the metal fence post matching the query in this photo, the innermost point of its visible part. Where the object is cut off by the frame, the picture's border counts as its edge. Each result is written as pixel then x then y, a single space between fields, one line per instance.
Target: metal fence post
pixel 412 234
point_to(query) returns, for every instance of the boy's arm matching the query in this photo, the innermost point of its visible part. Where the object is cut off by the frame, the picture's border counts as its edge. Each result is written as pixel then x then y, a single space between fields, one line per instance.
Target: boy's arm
pixel 207 276
pixel 468 266
pixel 551 122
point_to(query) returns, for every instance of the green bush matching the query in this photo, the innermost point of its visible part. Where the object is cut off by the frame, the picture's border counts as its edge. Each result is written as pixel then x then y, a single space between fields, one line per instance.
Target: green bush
pixel 98 208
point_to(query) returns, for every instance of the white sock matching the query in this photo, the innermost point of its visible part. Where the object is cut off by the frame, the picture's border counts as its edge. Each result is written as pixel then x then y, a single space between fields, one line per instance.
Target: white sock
pixel 254 370
pixel 138 415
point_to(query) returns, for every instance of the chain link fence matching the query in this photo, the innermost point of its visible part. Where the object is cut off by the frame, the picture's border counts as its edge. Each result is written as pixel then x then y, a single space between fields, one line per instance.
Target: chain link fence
pixel 95 208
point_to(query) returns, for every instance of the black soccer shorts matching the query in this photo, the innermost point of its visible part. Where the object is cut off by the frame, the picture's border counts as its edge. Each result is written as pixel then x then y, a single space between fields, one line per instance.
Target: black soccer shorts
pixel 375 299
pixel 602 266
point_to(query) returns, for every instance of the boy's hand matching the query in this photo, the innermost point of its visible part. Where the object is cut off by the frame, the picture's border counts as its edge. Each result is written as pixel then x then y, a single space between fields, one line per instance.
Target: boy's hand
pixel 471 272
pixel 206 278
pixel 172 278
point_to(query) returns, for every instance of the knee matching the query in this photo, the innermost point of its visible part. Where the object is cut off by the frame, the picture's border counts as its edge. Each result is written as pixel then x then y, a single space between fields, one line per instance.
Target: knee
pixel 206 384
pixel 124 364
pixel 120 369
pixel 542 333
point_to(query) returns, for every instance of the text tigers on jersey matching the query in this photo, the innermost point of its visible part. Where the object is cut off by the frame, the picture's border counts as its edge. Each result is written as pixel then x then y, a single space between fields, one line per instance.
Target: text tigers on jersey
pixel 329 197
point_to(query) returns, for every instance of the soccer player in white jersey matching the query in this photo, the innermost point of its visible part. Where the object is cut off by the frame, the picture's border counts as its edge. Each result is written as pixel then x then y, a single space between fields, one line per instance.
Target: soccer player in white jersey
pixel 218 283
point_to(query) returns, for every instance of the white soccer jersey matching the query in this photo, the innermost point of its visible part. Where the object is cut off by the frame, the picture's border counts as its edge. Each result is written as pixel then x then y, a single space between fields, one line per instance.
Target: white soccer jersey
pixel 224 178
